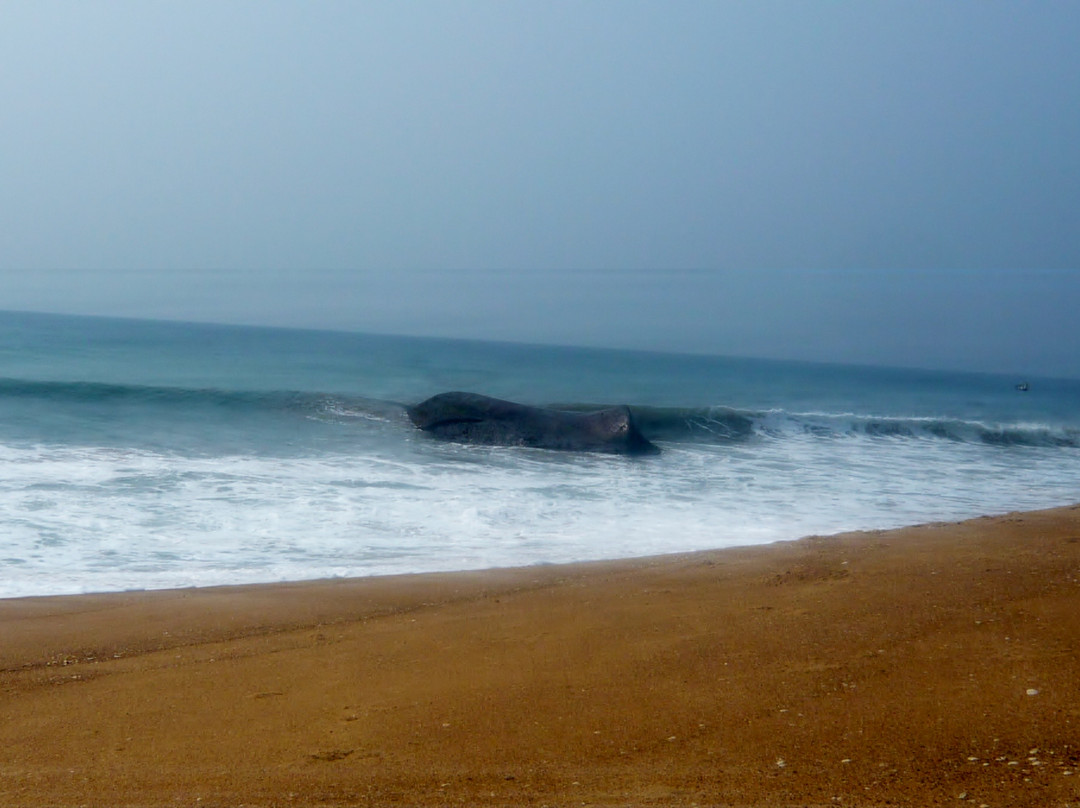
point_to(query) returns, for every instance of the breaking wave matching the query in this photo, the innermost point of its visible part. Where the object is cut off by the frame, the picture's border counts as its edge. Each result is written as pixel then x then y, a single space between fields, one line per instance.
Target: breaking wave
pixel 695 424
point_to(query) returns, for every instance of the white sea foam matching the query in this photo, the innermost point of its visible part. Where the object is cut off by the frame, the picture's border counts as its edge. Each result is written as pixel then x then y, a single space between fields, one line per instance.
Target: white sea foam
pixel 92 519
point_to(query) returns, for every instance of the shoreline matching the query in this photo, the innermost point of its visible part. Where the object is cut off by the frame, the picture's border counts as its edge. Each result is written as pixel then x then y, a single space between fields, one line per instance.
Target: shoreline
pixel 494 571
pixel 857 669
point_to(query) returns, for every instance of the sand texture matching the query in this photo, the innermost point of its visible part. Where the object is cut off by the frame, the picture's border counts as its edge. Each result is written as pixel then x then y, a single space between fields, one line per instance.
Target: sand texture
pixel 934 665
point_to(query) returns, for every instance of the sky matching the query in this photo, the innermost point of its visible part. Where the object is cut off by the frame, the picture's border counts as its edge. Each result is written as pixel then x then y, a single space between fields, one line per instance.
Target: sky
pixel 874 182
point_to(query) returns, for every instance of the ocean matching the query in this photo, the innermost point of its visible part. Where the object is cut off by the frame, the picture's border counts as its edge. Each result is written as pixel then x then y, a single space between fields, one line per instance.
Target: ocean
pixel 145 455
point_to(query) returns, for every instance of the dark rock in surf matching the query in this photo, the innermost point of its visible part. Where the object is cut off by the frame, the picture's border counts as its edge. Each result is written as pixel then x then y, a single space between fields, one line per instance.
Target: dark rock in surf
pixel 473 418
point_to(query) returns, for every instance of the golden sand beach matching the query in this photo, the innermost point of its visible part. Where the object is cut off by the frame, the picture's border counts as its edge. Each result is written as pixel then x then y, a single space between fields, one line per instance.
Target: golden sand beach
pixel 932 665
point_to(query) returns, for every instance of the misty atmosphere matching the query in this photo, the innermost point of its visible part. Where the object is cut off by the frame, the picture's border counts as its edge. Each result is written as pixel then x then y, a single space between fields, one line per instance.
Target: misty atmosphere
pixel 892 183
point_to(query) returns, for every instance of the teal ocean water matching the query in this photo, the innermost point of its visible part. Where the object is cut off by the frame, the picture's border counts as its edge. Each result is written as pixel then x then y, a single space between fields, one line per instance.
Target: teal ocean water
pixel 140 454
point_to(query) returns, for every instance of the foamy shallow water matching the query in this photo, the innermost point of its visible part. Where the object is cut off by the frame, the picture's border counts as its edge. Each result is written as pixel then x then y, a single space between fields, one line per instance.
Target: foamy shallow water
pixel 93 519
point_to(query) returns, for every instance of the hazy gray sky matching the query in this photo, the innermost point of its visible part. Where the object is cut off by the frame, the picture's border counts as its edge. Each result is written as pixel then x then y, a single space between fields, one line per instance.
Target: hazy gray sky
pixel 893 182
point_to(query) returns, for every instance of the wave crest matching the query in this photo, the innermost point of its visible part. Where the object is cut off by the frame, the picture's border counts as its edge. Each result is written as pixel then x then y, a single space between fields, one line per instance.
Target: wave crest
pixel 703 424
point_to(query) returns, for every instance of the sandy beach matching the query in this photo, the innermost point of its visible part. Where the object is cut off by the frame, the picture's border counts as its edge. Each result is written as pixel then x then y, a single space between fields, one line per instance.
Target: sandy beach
pixel 932 665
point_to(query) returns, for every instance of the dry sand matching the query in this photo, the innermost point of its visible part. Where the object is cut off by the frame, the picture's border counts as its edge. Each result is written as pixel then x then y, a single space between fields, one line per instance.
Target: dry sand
pixel 934 665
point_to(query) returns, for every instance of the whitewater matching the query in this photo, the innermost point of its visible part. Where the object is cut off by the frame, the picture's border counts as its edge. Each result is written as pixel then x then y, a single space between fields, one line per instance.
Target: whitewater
pixel 140 455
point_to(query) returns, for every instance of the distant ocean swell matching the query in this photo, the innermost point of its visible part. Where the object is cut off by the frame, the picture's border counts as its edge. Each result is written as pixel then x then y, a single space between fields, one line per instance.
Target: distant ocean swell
pixel 76 393
pixel 692 424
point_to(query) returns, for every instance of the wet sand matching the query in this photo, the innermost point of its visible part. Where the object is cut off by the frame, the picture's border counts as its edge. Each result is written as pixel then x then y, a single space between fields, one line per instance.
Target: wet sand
pixel 933 665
